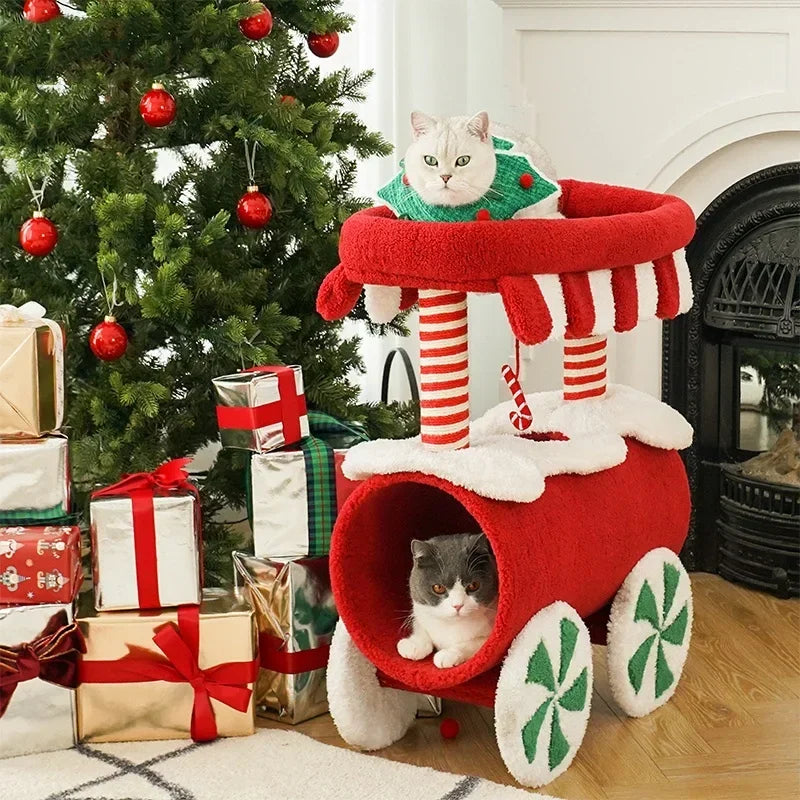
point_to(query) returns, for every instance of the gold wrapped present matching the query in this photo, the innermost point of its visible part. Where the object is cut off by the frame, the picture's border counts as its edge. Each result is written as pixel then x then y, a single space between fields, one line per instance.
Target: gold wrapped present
pixel 31 372
pixel 174 674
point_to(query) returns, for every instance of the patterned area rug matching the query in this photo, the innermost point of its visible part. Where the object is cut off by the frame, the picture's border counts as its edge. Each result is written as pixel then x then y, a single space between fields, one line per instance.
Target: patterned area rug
pixel 272 764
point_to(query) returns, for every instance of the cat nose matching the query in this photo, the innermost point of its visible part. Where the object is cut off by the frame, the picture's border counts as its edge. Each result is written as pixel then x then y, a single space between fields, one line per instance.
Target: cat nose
pixel 458 607
pixel 445 178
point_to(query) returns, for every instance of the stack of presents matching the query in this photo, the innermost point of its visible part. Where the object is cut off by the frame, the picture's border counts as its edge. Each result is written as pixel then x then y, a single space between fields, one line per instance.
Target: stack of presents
pixel 142 651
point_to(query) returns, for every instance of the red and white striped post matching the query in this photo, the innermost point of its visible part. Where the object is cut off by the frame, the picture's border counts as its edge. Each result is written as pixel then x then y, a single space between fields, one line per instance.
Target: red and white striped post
pixel 585 372
pixel 444 368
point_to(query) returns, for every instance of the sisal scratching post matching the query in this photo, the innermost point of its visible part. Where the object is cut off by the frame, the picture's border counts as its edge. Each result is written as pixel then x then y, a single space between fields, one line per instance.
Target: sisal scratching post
pixel 444 369
pixel 585 373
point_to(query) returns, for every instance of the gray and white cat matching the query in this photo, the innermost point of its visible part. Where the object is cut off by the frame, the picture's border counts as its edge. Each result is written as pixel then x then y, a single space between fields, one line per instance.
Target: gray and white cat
pixel 453 586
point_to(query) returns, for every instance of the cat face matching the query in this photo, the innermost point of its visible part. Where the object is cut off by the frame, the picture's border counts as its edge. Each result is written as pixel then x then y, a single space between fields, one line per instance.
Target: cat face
pixel 454 575
pixel 451 161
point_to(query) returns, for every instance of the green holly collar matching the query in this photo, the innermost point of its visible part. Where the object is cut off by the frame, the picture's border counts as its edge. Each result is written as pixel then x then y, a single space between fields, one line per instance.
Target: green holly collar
pixel 517 185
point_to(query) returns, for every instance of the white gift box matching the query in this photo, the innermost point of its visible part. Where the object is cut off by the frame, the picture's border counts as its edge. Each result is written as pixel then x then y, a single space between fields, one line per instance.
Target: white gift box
pixel 40 716
pixel 34 476
pixel 118 582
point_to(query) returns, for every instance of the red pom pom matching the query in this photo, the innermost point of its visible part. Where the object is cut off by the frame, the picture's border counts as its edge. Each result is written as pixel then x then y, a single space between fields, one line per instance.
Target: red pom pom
pixel 258 25
pixel 108 340
pixel 288 99
pixel 526 180
pixel 449 728
pixel 323 45
pixel 38 236
pixel 40 11
pixel 405 180
pixel 483 215
pixel 157 107
pixel 254 209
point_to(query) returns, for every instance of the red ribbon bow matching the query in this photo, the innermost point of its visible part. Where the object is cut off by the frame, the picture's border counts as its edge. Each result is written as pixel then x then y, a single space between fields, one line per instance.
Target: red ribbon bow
pixel 141 488
pixel 288 410
pixel 180 645
pixel 51 656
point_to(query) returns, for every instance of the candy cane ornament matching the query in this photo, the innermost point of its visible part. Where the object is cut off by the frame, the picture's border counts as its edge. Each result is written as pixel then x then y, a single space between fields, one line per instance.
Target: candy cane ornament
pixel 522 418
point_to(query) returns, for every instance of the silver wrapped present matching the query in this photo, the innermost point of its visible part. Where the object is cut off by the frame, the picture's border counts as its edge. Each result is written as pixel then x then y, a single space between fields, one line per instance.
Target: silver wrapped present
pixel 261 409
pixel 39 649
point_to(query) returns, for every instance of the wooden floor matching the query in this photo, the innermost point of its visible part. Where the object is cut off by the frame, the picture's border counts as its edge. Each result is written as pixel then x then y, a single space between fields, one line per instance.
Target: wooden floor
pixel 731 731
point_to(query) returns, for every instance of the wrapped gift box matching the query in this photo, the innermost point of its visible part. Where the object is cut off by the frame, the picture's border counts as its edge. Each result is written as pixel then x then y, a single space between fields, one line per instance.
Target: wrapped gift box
pixel 146 545
pixel 177 674
pixel 261 409
pixel 40 564
pixel 34 480
pixel 295 615
pixel 295 495
pixel 31 372
pixel 37 698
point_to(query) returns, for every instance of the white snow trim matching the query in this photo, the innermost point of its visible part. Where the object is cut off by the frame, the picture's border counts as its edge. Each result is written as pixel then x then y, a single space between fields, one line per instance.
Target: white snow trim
pixel 517 700
pixel 622 411
pixel 502 467
pixel 382 303
pixel 553 294
pixel 625 635
pixel 366 714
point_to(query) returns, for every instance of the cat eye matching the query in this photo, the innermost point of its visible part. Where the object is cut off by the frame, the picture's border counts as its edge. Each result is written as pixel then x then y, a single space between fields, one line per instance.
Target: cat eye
pixel 438 588
pixel 473 587
pixel 462 161
pixel 431 161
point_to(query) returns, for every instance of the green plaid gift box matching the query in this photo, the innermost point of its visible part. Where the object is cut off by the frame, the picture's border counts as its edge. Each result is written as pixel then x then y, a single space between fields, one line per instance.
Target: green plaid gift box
pixel 34 480
pixel 295 494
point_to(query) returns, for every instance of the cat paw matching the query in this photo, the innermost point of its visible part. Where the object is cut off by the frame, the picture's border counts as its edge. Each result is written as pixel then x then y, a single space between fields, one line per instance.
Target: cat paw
pixel 448 658
pixel 414 649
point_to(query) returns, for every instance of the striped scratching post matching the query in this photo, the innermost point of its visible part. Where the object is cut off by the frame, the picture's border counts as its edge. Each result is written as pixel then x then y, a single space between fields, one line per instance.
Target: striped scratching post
pixel 585 373
pixel 444 368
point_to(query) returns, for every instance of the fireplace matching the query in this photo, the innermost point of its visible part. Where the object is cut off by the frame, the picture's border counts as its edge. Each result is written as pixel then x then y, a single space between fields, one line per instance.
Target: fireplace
pixel 732 367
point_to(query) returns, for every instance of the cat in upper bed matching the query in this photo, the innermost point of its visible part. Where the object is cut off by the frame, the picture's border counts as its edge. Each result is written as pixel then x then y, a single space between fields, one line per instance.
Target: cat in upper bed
pixel 453 586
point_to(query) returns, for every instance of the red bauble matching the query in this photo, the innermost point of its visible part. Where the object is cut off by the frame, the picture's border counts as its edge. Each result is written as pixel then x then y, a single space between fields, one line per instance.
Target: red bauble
pixel 449 728
pixel 40 11
pixel 323 45
pixel 258 25
pixel 108 340
pixel 157 107
pixel 38 236
pixel 288 99
pixel 254 209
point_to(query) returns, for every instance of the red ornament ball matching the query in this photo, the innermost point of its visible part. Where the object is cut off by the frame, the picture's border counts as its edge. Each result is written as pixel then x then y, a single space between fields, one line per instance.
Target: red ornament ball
pixel 108 340
pixel 254 209
pixel 157 107
pixel 449 728
pixel 38 236
pixel 257 25
pixel 288 99
pixel 483 215
pixel 40 11
pixel 526 180
pixel 323 45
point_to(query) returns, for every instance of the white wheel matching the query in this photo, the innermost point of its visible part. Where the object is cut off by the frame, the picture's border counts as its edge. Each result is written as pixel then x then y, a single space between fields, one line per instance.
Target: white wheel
pixel 366 714
pixel 544 695
pixel 648 633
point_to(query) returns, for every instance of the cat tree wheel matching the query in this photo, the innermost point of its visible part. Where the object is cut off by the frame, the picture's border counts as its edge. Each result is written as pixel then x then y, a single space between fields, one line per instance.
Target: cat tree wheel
pixel 366 714
pixel 544 695
pixel 649 629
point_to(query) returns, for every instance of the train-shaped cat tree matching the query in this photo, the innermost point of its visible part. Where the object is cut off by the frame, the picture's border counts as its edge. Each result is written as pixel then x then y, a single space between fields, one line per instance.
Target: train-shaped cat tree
pixel 581 492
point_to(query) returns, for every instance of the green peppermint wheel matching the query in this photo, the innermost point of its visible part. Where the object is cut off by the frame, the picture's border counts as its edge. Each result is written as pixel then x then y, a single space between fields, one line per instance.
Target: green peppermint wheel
pixel 544 695
pixel 366 714
pixel 648 633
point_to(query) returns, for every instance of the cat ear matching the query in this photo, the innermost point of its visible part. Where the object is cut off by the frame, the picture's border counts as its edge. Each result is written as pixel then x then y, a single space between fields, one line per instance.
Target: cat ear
pixel 420 549
pixel 421 124
pixel 479 126
pixel 480 543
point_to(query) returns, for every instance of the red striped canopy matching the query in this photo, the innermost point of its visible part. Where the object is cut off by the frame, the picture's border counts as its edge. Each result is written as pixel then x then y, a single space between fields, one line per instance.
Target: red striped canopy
pixel 610 264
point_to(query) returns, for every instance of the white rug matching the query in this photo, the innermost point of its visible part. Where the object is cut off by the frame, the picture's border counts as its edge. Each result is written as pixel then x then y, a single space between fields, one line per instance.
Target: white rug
pixel 272 765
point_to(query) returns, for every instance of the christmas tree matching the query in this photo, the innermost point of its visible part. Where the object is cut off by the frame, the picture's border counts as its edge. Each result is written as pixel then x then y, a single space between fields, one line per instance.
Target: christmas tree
pixel 131 129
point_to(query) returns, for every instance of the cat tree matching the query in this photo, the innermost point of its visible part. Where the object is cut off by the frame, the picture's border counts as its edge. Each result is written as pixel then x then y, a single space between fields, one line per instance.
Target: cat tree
pixel 582 492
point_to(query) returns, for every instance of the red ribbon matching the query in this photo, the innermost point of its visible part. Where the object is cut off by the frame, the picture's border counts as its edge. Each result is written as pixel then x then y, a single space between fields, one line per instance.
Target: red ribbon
pixel 52 656
pixel 275 658
pixel 180 644
pixel 288 409
pixel 141 488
